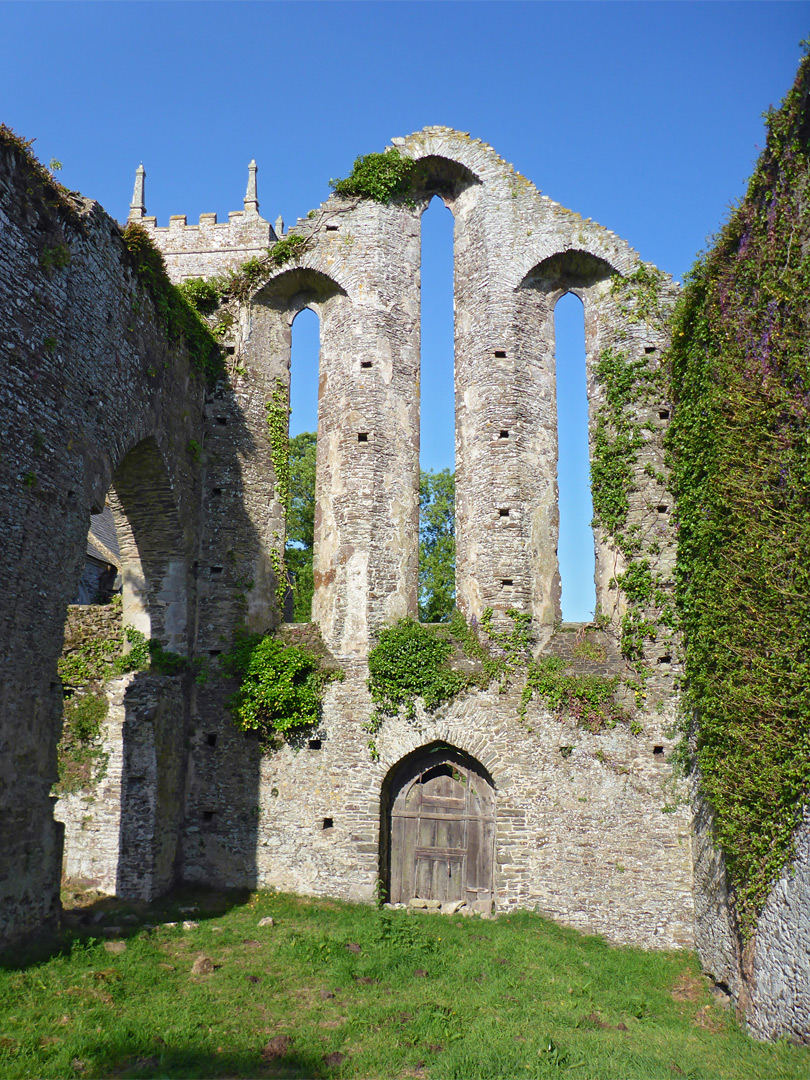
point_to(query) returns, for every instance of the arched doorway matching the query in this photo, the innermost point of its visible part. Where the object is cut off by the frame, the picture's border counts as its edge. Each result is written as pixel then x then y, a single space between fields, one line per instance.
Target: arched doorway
pixel 440 828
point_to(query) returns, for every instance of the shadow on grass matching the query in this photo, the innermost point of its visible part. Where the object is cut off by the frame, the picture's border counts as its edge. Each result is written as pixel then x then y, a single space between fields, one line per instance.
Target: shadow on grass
pixel 109 918
pixel 192 1062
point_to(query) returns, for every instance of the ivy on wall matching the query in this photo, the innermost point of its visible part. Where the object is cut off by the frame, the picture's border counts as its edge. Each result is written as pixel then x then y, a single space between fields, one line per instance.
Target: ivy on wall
pixel 739 447
pixel 84 669
pixel 178 316
pixel 630 385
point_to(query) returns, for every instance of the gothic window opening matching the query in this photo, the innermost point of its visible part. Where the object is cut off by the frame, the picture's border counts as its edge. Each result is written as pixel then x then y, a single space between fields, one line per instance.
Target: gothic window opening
pixel 575 550
pixel 300 539
pixel 437 542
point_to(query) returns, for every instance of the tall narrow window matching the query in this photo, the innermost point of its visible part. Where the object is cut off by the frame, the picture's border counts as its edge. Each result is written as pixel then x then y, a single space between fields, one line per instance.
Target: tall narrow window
pixel 437 543
pixel 303 436
pixel 576 547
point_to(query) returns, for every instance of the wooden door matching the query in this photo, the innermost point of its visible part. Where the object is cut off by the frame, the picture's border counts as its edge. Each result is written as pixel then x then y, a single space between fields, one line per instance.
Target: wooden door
pixel 442 835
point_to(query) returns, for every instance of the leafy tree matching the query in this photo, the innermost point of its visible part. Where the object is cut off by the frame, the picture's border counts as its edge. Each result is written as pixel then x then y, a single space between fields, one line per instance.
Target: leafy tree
pixel 301 522
pixel 437 545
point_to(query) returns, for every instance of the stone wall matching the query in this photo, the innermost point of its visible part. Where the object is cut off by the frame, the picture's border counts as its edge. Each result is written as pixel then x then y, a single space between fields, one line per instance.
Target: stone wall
pixel 591 827
pixel 89 377
pixel 769 976
pixel 598 838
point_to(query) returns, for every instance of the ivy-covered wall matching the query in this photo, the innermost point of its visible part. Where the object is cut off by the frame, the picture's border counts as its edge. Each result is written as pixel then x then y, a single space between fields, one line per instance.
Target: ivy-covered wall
pixel 739 447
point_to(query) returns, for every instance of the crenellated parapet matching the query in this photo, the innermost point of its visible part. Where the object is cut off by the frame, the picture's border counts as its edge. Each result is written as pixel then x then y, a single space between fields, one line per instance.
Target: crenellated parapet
pixel 210 247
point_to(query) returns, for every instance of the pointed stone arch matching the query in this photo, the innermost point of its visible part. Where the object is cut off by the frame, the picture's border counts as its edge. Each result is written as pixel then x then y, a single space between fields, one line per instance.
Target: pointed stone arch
pixel 152 546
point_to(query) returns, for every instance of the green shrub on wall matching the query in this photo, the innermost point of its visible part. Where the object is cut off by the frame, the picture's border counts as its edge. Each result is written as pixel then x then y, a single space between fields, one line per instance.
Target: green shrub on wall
pixel 280 686
pixel 739 446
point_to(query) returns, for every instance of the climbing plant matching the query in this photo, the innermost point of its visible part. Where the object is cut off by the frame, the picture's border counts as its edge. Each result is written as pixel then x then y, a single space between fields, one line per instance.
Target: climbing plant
pixel 412 662
pixel 179 318
pixel 629 386
pixel 739 448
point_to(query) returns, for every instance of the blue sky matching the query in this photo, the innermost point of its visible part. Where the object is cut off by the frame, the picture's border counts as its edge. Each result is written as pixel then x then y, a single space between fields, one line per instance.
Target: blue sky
pixel 643 116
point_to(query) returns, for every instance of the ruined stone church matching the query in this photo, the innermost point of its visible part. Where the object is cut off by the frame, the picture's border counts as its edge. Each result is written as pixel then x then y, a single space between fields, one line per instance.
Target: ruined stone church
pixel 481 802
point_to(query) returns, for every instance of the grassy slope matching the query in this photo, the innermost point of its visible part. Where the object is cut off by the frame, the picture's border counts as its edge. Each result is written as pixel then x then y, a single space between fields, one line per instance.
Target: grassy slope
pixel 415 996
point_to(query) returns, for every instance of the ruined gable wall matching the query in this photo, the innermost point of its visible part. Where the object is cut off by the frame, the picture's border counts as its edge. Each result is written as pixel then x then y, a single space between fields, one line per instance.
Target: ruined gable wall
pixel 88 375
pixel 597 838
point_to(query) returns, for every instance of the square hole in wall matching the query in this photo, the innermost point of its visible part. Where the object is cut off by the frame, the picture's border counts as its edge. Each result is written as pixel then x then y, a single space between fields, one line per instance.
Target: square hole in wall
pixel 500 354
pixel 663 414
pixel 664 659
pixel 208 815
pixel 221 420
pixel 328 823
pixel 503 512
pixel 649 349
pixel 216 571
pixel 362 436
pixel 658 751
pixel 332 228
pixel 663 508
pixel 230 349
pixel 214 652
pixel 216 492
pixel 506 581
pixel 314 744
pixel 211 738
pixel 503 434
pixel 365 363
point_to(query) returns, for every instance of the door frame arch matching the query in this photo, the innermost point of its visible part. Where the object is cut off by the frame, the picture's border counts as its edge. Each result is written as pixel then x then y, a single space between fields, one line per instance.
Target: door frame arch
pixel 478 886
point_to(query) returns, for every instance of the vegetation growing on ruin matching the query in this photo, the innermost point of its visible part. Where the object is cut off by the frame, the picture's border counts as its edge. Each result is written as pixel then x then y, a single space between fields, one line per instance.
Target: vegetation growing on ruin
pixel 280 686
pixel 588 700
pixel 80 757
pixel 411 661
pixel 287 248
pixel 381 177
pixel 84 669
pixel 278 432
pixel 345 990
pixel 629 387
pixel 434 663
pixel 739 449
pixel 54 193
pixel 204 296
pixel 179 317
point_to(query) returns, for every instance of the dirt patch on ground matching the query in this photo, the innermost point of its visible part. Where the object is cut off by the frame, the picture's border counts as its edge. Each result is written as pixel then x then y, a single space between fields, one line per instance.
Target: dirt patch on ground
pixel 689 987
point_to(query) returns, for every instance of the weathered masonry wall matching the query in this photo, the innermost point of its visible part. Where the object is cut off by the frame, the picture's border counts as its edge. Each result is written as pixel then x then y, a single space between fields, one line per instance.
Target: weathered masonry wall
pixel 768 978
pixel 589 827
pixel 121 835
pixel 92 392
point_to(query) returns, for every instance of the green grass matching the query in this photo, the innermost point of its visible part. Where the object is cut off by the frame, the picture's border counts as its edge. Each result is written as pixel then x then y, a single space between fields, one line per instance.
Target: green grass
pixel 413 996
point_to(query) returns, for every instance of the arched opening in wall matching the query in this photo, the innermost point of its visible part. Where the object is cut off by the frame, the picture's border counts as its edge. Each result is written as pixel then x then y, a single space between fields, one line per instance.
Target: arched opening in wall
pixel 438 828
pixel 575 550
pixel 437 579
pixel 300 537
pixel 140 624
